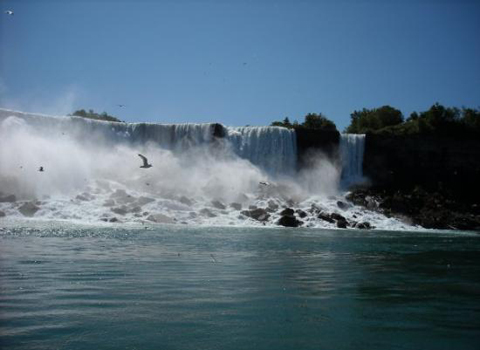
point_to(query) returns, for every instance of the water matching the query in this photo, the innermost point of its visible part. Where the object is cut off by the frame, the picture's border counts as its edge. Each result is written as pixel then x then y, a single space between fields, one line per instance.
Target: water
pixel 168 287
pixel 352 148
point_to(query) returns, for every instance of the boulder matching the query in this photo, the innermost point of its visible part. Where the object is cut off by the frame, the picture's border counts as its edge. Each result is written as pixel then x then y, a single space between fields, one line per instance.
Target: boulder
pixel 257 214
pixel 144 200
pixel 8 199
pixel 342 224
pixel 301 213
pixel 272 205
pixel 252 207
pixel 325 217
pixel 185 201
pixel 120 210
pixel 219 205
pixel 28 209
pixel 289 221
pixel 160 219
pixel 207 212
pixel 287 212
pixel 363 225
pixel 342 205
pixel 236 206
pixel 2 214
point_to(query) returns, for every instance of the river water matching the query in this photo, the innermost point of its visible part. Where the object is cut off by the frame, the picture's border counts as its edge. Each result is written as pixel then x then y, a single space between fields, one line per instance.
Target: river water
pixel 65 286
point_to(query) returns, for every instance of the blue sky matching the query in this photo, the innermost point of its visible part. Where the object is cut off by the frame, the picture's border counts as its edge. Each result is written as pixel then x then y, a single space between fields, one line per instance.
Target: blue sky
pixel 238 62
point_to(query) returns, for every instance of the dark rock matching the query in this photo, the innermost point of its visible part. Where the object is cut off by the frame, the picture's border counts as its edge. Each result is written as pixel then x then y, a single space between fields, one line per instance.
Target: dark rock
pixel 342 224
pixel 144 200
pixel 257 214
pixel 8 199
pixel 28 209
pixel 272 205
pixel 252 207
pixel 185 201
pixel 287 212
pixel 301 213
pixel 326 217
pixel 219 205
pixel 342 205
pixel 114 219
pixel 2 214
pixel 82 197
pixel 120 210
pixel 289 221
pixel 207 212
pixel 337 217
pixel 161 219
pixel 236 206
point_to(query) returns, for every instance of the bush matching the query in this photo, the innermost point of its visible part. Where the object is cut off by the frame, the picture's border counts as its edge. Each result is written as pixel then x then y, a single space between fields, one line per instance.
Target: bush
pixel 313 121
pixel 93 115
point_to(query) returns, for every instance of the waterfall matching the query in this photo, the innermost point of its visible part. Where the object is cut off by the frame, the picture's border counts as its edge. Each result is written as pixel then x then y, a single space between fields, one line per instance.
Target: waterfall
pixel 273 149
pixel 352 147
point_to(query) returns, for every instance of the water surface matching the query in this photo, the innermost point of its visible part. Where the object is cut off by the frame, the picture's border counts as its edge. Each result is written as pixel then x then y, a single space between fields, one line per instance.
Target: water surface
pixel 79 287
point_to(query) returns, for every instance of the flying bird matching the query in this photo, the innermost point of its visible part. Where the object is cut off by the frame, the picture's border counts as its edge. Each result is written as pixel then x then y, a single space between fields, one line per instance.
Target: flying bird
pixel 264 183
pixel 41 169
pixel 121 106
pixel 145 162
pixel 9 12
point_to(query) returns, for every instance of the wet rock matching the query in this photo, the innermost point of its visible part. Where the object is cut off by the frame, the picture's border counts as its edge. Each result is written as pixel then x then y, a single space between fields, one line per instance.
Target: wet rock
pixel 257 214
pixel 219 205
pixel 289 221
pixel 109 203
pixel 8 199
pixel 28 209
pixel 120 210
pixel 342 224
pixel 121 196
pixel 192 215
pixel 325 217
pixel 342 205
pixel 252 207
pixel 207 212
pixel 272 205
pixel 161 219
pixel 301 213
pixel 287 212
pixel 2 214
pixel 81 197
pixel 363 225
pixel 114 219
pixel 144 200
pixel 135 209
pixel 236 206
pixel 337 217
pixel 185 201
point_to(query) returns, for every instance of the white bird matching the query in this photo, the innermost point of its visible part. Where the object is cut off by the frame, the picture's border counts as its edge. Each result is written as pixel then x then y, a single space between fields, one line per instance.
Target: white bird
pixel 145 162
pixel 9 12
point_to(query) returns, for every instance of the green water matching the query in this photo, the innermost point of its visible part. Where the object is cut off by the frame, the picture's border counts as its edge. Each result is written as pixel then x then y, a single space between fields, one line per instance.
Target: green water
pixel 78 287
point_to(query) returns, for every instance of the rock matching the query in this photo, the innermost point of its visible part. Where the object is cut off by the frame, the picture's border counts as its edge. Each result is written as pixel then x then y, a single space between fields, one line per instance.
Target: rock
pixel 236 206
pixel 342 205
pixel 144 200
pixel 135 209
pixel 114 219
pixel 301 213
pixel 161 219
pixel 272 205
pixel 81 197
pixel 337 217
pixel 257 214
pixel 8 199
pixel 28 209
pixel 289 221
pixel 109 203
pixel 207 212
pixel 219 205
pixel 287 212
pixel 185 201
pixel 342 224
pixel 363 225
pixel 326 217
pixel 120 210
pixel 2 214
pixel 252 207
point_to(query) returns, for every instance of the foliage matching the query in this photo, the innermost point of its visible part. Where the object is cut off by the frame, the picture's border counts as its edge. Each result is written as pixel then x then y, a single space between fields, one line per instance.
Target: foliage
pixel 93 115
pixel 368 120
pixel 313 121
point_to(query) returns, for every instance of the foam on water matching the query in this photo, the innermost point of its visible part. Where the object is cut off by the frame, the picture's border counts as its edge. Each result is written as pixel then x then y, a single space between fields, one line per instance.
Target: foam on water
pixel 92 174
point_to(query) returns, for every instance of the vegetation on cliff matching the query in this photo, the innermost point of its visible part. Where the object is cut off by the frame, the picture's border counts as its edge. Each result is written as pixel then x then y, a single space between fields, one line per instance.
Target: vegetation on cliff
pixel 93 115
pixel 313 121
pixel 437 120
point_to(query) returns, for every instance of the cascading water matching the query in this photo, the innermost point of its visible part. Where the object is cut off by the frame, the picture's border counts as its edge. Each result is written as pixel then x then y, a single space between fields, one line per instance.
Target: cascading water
pixel 271 148
pixel 352 148
pixel 202 174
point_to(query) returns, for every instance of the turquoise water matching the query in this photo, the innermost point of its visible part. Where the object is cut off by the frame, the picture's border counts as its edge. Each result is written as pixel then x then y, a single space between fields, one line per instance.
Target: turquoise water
pixel 79 287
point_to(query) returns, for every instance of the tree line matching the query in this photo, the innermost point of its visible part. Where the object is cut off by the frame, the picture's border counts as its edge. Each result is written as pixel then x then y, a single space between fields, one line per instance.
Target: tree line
pixel 437 119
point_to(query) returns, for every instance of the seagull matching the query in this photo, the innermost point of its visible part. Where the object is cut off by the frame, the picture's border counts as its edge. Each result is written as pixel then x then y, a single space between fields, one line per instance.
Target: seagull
pixel 145 162
pixel 41 169
pixel 121 106
pixel 264 183
pixel 9 12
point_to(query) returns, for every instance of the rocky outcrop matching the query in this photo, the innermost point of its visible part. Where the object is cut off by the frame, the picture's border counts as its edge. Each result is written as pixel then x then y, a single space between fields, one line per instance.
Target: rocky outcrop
pixel 28 209
pixel 160 219
pixel 7 198
pixel 257 214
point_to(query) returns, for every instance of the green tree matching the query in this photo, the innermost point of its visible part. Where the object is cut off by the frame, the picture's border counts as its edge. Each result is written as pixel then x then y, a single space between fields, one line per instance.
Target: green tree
pixel 312 121
pixel 91 114
pixel 368 120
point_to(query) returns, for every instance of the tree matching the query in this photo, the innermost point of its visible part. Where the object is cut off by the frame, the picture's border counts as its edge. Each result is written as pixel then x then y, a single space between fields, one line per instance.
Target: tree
pixel 312 121
pixel 368 120
pixel 91 114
